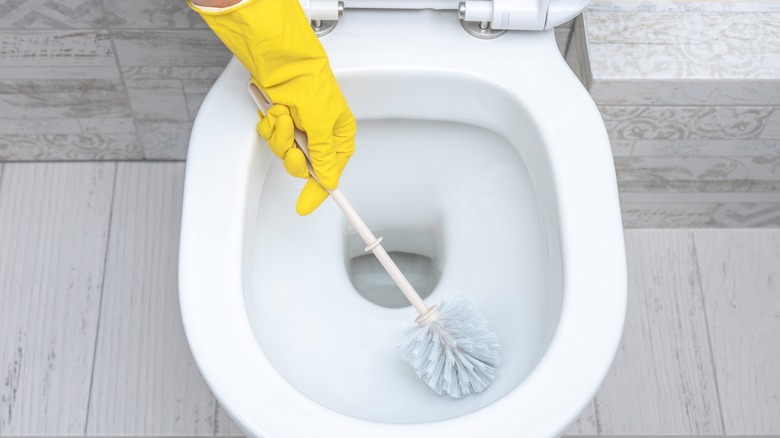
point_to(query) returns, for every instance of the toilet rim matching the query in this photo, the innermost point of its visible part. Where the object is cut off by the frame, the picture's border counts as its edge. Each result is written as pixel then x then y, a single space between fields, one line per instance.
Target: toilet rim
pixel 591 318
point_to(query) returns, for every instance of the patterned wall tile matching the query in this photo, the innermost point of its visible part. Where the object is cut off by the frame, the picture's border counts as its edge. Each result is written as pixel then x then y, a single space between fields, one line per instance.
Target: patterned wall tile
pixel 698 215
pixel 648 61
pixel 701 198
pixel 63 147
pixel 706 148
pixel 728 209
pixel 107 125
pixel 165 140
pixel 194 101
pixel 746 216
pixel 68 139
pixel 196 90
pixel 685 122
pixel 683 45
pixel 37 126
pixel 665 215
pixel 201 77
pixel 170 48
pixel 161 100
pixel 681 27
pixel 167 73
pixel 48 14
pixel 195 81
pixel 28 73
pixel 684 6
pixel 151 14
pixel 622 148
pixel 667 92
pixel 79 48
pixel 698 174
pixel 772 127
pixel 66 98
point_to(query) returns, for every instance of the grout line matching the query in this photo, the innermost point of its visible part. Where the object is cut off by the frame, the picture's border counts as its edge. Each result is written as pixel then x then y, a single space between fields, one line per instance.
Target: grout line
pixel 122 79
pixel 190 116
pixel 102 293
pixel 596 412
pixel 216 412
pixel 692 234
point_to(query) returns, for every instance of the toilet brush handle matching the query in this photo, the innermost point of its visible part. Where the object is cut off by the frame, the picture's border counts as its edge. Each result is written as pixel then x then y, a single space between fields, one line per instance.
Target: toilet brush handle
pixel 373 243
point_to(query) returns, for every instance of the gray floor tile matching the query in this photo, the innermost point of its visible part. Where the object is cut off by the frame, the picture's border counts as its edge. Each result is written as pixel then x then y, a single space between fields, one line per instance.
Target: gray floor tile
pixel 145 380
pixel 662 381
pixel 54 220
pixel 740 273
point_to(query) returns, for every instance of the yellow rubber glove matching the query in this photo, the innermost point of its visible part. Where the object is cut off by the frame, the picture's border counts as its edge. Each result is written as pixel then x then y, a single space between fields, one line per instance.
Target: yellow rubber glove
pixel 275 42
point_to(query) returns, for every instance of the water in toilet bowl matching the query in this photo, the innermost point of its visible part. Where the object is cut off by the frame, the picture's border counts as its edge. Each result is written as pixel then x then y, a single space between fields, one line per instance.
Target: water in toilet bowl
pixel 455 204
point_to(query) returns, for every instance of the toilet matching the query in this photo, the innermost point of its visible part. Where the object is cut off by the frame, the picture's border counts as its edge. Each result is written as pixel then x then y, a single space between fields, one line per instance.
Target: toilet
pixel 483 163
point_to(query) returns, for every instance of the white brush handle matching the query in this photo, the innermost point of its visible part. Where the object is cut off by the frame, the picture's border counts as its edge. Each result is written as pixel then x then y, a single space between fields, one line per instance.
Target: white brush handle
pixel 372 243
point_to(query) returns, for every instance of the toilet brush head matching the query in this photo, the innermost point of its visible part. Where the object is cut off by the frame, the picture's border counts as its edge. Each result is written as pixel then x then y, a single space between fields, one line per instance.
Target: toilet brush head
pixel 456 353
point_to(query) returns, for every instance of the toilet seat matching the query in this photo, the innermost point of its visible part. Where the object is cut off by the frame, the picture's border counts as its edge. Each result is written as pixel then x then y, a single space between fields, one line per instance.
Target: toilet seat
pixel 222 185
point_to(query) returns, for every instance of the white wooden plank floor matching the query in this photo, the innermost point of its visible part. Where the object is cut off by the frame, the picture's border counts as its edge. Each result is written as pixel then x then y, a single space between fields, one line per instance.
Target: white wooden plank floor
pixel 740 273
pixel 91 340
pixel 145 382
pixel 53 229
pixel 662 381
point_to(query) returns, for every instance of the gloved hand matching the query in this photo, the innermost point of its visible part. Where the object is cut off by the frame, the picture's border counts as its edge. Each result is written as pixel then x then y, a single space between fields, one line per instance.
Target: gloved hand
pixel 275 42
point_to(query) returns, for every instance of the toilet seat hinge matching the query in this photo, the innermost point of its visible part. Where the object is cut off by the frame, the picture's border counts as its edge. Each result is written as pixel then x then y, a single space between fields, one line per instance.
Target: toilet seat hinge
pixel 491 18
pixel 323 14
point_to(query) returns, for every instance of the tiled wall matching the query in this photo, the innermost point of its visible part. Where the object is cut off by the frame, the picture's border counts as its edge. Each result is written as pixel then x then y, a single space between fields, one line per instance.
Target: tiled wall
pixel 690 94
pixel 102 79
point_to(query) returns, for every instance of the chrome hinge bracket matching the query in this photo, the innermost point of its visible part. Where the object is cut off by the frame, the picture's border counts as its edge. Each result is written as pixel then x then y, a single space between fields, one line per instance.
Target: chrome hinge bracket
pixel 490 18
pixel 323 14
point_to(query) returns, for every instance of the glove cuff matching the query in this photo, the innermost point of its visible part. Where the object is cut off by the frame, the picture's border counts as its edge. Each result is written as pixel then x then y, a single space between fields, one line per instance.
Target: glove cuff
pixel 210 10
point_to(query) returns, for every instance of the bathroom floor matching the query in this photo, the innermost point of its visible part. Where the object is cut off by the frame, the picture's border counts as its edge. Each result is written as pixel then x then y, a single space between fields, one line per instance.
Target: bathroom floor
pixel 92 344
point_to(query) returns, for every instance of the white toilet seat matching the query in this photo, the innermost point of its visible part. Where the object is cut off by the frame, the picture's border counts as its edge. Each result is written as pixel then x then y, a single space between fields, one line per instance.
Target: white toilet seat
pixel 480 232
pixel 224 177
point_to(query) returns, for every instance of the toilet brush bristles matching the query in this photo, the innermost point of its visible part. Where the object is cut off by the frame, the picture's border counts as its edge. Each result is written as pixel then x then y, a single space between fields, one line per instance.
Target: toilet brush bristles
pixel 455 354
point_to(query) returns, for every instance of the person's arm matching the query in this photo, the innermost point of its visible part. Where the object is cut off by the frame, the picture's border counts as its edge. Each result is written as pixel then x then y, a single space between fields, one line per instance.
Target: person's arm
pixel 274 40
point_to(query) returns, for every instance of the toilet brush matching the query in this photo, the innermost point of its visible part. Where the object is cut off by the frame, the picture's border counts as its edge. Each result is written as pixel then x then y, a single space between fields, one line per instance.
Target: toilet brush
pixel 452 348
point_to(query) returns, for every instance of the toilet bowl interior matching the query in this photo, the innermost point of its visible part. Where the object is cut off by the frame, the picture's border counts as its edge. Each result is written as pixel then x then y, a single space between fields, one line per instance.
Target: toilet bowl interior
pixel 451 170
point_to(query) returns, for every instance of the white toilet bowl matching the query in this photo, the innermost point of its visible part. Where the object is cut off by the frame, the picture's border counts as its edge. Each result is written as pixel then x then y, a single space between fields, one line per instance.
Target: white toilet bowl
pixel 486 167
